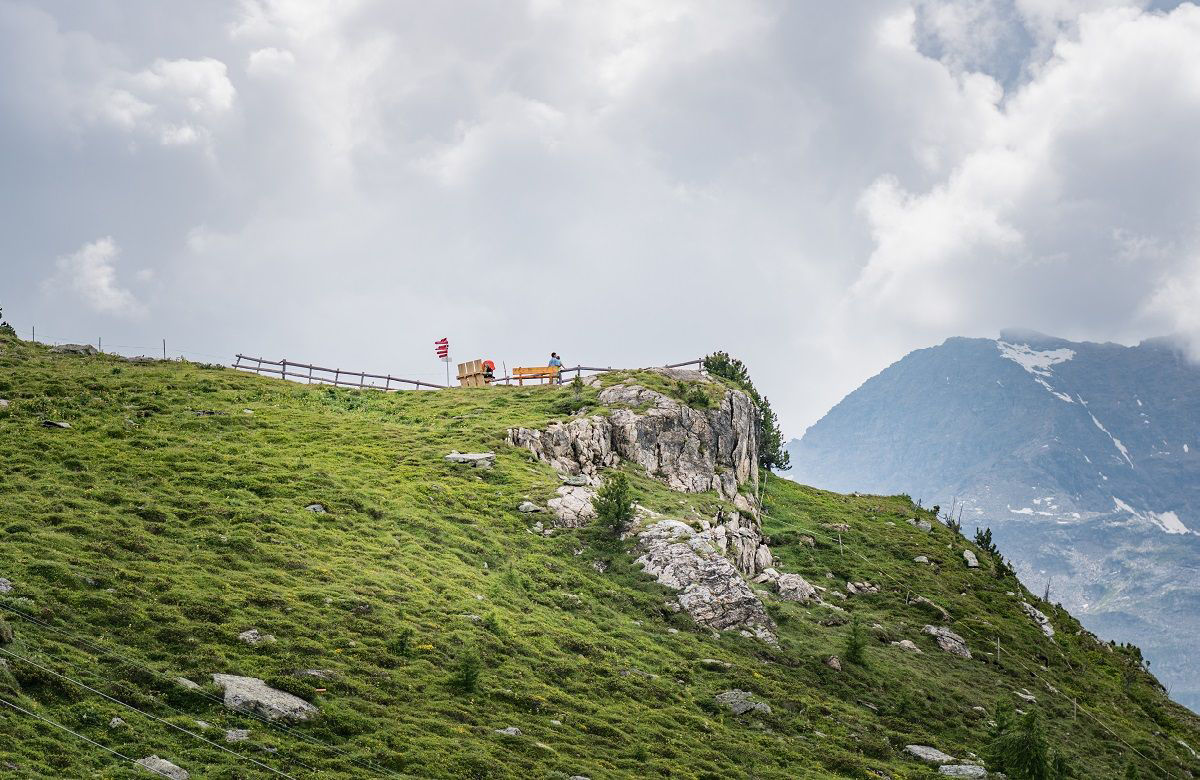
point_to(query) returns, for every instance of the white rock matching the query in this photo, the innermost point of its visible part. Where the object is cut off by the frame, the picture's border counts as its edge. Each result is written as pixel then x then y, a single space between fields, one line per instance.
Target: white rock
pixel 948 640
pixel 1039 617
pixel 740 702
pixel 237 735
pixel 793 587
pixel 255 637
pixel 6 585
pixel 573 506
pixel 479 460
pixel 972 561
pixel 163 768
pixel 116 723
pixel 907 644
pixel 184 682
pixel 921 559
pixel 250 694
pixel 510 731
pixel 528 507
pixel 923 525
pixel 833 662
pixel 962 770
pixel 316 509
pixel 926 753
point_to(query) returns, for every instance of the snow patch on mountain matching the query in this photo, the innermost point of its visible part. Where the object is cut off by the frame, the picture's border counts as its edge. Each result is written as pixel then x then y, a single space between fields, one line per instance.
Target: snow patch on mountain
pixel 1167 521
pixel 1037 363
pixel 1116 442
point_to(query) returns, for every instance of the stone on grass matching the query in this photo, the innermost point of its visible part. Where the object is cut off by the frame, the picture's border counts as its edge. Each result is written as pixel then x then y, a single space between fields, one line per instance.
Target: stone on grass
pixel 927 753
pixel 184 682
pixel 972 561
pixel 921 559
pixel 833 662
pixel 255 637
pixel 907 644
pixel 528 507
pixel 793 587
pixel 479 460
pixel 962 770
pixel 923 525
pixel 948 640
pixel 55 424
pixel 740 702
pixel 3 403
pixel 1039 617
pixel 576 480
pixel 74 349
pixel 163 768
pixel 510 731
pixel 250 694
pixel 715 663
pixel 237 735
pixel 317 509
pixel 116 723
pixel 5 585
pixel 573 506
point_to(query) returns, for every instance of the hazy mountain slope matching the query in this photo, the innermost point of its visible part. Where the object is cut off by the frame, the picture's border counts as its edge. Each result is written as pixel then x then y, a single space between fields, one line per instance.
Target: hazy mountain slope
pixel 1082 457
pixel 167 520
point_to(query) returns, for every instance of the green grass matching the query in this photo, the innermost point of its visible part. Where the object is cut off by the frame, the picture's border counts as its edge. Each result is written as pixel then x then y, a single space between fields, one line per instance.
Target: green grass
pixel 146 537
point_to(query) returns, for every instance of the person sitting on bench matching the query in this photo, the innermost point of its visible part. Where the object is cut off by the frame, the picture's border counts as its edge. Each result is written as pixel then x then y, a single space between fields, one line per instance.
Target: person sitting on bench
pixel 556 363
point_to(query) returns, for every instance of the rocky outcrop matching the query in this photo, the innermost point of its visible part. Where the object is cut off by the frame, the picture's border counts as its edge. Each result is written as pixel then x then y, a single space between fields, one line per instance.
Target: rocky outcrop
pixel 927 753
pixel 250 694
pixel 691 450
pixel 1039 617
pixel 74 349
pixel 163 768
pixel 479 460
pixel 710 587
pixel 573 506
pixel 962 770
pixel 740 702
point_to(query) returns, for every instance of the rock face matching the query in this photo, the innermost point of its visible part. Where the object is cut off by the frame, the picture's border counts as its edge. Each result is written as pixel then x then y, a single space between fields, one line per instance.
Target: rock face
pixel 163 767
pixel 962 770
pixel 948 640
pixel 253 695
pixel 710 588
pixel 740 702
pixel 926 753
pixel 691 450
pixel 1038 617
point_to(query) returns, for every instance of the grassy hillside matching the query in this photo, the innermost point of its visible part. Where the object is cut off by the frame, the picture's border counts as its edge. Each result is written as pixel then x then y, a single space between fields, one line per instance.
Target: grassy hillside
pixel 170 517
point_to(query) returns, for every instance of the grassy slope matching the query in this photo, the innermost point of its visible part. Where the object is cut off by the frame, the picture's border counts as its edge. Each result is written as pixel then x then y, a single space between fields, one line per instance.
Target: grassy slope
pixel 160 534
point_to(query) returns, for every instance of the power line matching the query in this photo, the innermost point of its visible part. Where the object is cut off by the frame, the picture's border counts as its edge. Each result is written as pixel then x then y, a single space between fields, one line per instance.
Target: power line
pixel 967 628
pixel 85 739
pixel 190 733
pixel 365 764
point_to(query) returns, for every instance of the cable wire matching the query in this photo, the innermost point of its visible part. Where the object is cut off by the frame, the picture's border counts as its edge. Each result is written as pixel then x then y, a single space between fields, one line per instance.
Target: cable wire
pixel 190 733
pixel 90 741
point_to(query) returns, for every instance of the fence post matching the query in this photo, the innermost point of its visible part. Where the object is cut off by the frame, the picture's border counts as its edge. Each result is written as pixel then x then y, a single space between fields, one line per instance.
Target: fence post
pixel 99 344
pixel 387 383
pixel 238 363
pixel 362 379
pixel 33 337
pixel 164 349
pixel 310 375
pixel 337 374
pixel 283 375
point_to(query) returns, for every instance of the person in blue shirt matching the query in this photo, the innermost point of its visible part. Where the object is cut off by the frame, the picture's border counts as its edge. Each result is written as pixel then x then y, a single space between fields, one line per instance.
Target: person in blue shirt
pixel 557 363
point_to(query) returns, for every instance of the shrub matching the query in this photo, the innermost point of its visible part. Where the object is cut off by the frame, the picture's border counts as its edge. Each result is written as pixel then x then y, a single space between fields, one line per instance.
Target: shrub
pixel 856 642
pixel 465 676
pixel 614 503
pixel 1020 749
pixel 401 644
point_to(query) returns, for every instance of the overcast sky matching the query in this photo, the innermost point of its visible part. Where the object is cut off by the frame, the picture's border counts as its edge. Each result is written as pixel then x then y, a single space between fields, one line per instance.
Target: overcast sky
pixel 816 187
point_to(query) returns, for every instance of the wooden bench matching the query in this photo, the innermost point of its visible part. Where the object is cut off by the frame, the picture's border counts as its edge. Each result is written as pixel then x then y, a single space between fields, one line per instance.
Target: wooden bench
pixel 535 372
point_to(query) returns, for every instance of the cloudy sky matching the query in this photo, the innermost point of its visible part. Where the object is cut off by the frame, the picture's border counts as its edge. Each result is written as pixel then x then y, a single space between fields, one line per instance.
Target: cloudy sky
pixel 817 187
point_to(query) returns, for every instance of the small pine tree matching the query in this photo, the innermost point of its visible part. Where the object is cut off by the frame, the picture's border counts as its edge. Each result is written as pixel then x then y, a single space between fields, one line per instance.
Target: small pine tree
pixel 614 503
pixel 5 328
pixel 1020 749
pixel 1131 772
pixel 856 643
pixel 465 676
pixel 771 453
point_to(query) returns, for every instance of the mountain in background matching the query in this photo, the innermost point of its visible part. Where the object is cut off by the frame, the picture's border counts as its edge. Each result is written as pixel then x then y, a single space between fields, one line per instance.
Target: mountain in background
pixel 1083 458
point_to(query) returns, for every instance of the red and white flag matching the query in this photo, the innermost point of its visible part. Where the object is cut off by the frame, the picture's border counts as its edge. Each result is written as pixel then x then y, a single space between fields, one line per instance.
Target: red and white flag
pixel 442 348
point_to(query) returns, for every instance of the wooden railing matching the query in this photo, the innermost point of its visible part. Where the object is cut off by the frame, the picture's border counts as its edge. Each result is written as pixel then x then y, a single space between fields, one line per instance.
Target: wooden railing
pixel 304 372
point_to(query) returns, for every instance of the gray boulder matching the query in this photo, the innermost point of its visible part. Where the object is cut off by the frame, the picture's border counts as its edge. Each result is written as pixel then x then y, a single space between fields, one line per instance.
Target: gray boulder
pixel 56 424
pixel 573 506
pixel 528 507
pixel 74 349
pixel 921 559
pixel 576 480
pixel 1038 617
pixel 510 731
pixel 250 694
pixel 793 587
pixel 930 754
pixel 4 403
pixel 184 682
pixel 740 702
pixel 5 585
pixel 962 770
pixel 116 723
pixel 907 644
pixel 318 509
pixel 255 637
pixel 163 767
pixel 923 525
pixel 237 735
pixel 834 663
pixel 972 561
pixel 948 640
pixel 479 460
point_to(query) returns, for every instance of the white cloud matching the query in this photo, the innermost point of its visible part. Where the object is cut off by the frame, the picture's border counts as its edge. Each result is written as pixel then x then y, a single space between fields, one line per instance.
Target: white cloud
pixel 90 274
pixel 269 61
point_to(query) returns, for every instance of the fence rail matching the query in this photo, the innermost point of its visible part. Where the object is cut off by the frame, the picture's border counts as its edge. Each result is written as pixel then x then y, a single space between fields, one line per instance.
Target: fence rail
pixel 305 372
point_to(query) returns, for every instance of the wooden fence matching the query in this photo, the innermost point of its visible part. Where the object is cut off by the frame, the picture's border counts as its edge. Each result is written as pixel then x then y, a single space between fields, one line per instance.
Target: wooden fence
pixel 303 372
